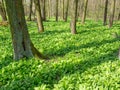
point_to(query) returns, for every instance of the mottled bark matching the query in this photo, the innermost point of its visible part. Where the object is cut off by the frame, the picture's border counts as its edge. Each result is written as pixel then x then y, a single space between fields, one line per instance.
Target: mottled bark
pixel 22 44
pixel 39 16
pixel 105 13
pixel 74 17
pixel 84 12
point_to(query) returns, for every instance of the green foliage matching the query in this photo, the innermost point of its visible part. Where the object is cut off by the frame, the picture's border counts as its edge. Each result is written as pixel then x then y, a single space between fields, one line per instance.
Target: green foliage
pixel 85 61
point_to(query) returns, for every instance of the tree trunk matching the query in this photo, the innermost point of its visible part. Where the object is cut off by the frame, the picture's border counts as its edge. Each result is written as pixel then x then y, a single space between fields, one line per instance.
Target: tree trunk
pixel 56 10
pixel 112 13
pixel 119 16
pixel 30 13
pixel 105 13
pixel 66 11
pixel 49 9
pixel 43 11
pixel 22 44
pixel 74 17
pixel 85 10
pixel 39 17
pixel 63 8
pixel 2 11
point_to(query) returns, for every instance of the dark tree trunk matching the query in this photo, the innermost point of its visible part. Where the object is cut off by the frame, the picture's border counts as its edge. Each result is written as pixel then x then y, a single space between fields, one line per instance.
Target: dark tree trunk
pixel 2 11
pixel 66 11
pixel 39 16
pixel 22 44
pixel 105 13
pixel 119 16
pixel 112 13
pixel 85 10
pixel 74 17
pixel 63 9
pixel 56 10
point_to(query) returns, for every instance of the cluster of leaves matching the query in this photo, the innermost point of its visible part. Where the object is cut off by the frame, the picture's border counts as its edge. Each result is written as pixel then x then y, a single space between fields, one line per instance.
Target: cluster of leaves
pixel 85 61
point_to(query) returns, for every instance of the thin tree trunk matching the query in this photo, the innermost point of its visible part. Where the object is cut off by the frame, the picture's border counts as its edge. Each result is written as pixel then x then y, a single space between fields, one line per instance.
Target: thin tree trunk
pixel 39 17
pixel 74 17
pixel 30 12
pixel 43 12
pixel 63 9
pixel 3 11
pixel 66 11
pixel 22 44
pixel 56 10
pixel 112 13
pixel 119 16
pixel 105 13
pixel 85 10
pixel 49 9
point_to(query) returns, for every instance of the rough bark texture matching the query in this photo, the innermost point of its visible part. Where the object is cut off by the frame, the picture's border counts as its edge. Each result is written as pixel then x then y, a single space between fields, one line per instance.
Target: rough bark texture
pixel 39 17
pixel 74 17
pixel 84 12
pixel 105 13
pixel 112 13
pixel 22 44
pixel 2 11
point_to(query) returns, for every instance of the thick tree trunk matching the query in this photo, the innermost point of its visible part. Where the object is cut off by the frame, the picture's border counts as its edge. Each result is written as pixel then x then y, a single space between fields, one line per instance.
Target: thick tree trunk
pixel 43 11
pixel 105 13
pixel 39 17
pixel 56 10
pixel 112 13
pixel 74 17
pixel 22 44
pixel 85 10
pixel 66 11
pixel 2 11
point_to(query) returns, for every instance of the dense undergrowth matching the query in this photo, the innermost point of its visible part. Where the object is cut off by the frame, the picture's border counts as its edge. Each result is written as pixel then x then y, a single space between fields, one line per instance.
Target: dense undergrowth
pixel 85 61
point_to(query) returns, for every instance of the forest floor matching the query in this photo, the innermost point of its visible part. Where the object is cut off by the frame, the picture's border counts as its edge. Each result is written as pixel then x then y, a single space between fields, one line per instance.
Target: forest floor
pixel 85 61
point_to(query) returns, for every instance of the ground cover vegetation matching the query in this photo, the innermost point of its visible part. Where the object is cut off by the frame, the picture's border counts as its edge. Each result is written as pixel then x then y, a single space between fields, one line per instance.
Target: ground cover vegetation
pixel 85 61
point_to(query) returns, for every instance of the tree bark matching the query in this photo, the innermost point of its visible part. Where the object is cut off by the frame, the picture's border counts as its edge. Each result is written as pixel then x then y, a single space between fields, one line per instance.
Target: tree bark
pixel 63 4
pixel 56 10
pixel 3 11
pixel 105 13
pixel 39 16
pixel 74 17
pixel 119 16
pixel 30 12
pixel 43 11
pixel 22 44
pixel 112 13
pixel 85 10
pixel 66 11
